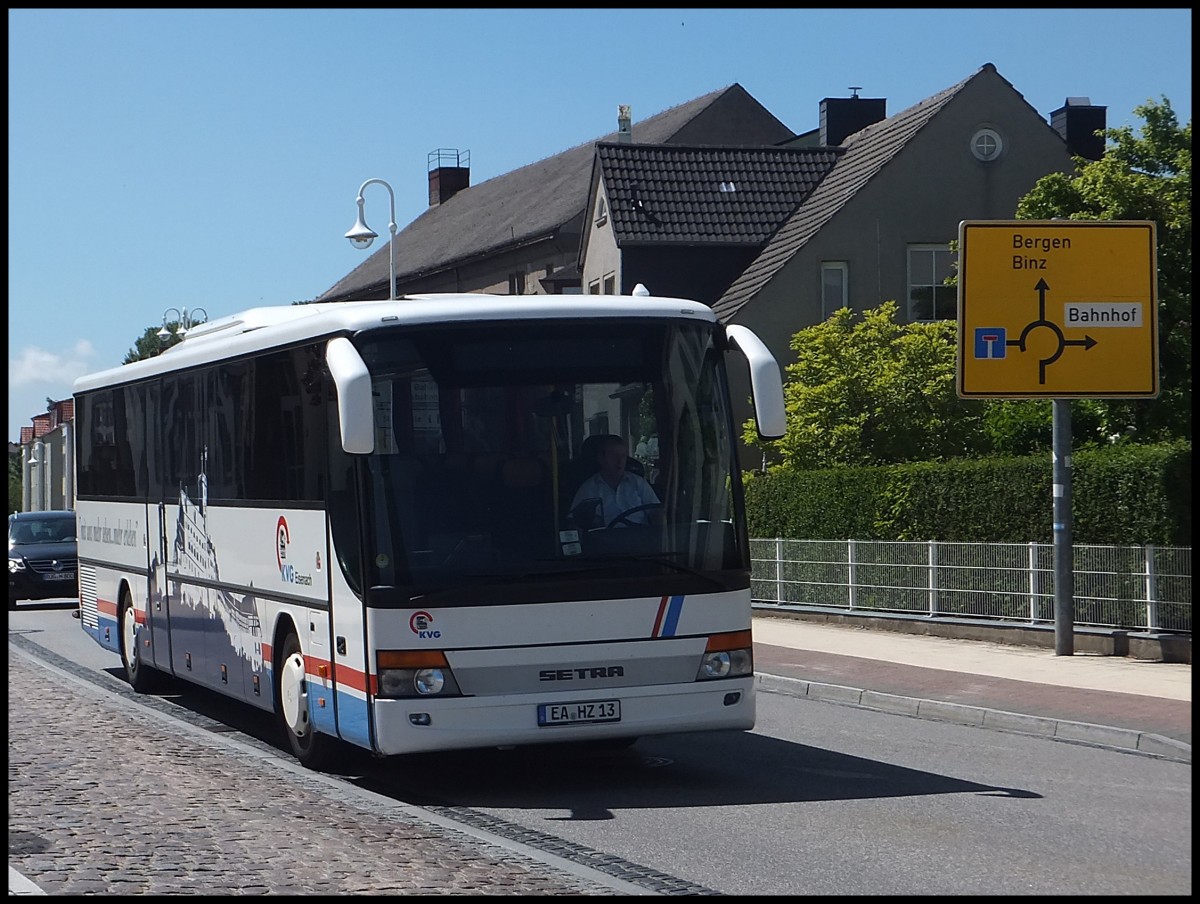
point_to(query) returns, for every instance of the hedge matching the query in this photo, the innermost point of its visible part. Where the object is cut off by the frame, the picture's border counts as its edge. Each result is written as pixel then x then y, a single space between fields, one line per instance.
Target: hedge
pixel 1128 495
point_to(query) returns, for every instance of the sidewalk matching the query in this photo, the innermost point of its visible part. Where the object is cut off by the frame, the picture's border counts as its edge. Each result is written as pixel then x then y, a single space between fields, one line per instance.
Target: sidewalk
pixel 1111 701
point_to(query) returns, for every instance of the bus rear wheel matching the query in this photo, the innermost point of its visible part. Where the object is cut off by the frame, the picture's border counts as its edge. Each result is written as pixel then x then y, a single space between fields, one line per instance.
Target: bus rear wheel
pixel 142 678
pixel 309 746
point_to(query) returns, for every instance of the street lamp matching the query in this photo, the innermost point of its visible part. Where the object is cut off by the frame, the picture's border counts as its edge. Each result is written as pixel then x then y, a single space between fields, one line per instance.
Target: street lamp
pixel 186 320
pixel 361 235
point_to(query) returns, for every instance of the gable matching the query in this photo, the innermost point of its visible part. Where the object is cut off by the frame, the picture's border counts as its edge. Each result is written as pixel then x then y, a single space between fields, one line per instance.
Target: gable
pixel 880 148
pixel 866 153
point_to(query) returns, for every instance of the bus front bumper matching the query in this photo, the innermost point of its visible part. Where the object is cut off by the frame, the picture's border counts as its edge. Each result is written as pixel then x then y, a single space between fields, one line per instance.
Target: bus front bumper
pixel 413 725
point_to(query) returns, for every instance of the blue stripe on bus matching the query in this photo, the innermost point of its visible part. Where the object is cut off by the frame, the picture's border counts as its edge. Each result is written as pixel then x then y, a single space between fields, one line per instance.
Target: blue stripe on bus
pixel 352 719
pixel 674 610
pixel 324 718
pixel 107 627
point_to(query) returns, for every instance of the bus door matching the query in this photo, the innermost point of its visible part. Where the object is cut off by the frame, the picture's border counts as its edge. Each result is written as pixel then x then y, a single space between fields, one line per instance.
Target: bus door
pixel 344 622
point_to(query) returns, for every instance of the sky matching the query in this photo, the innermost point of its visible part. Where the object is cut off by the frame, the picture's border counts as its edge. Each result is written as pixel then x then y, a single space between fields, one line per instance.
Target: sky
pixel 209 160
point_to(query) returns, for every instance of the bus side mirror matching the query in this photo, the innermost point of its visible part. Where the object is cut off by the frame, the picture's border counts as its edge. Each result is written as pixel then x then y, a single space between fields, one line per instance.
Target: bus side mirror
pixel 766 386
pixel 356 418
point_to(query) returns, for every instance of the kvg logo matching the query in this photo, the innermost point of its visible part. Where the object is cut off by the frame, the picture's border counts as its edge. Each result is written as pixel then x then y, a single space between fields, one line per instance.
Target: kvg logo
pixel 420 625
pixel 287 571
pixel 282 538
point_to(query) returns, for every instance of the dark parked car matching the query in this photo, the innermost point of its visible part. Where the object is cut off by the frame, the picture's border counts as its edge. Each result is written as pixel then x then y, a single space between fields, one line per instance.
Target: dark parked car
pixel 42 556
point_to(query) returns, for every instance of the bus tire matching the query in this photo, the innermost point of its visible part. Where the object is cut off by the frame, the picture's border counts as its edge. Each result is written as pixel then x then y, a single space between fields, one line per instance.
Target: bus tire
pixel 309 746
pixel 142 678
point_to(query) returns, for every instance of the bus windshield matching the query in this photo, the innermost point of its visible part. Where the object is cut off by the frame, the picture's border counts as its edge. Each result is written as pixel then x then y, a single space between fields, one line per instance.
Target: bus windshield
pixel 496 474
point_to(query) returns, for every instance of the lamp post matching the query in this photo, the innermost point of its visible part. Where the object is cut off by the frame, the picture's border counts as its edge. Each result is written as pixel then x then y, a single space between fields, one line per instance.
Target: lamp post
pixel 185 319
pixel 361 235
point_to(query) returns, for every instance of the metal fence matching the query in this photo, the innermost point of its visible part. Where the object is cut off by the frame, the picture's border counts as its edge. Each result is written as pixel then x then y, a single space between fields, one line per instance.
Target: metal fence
pixel 1141 588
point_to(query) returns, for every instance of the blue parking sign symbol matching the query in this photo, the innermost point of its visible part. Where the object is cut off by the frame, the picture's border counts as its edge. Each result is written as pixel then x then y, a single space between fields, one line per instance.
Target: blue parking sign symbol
pixel 989 342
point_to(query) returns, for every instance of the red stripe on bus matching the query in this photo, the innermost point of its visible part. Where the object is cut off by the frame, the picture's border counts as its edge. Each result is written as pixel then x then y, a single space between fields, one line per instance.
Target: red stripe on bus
pixel 662 608
pixel 347 677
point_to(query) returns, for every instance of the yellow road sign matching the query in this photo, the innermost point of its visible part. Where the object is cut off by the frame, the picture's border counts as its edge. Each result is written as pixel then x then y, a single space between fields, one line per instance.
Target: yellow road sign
pixel 1057 309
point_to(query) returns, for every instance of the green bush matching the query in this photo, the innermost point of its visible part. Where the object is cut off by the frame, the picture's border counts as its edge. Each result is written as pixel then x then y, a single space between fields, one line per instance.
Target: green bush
pixel 1127 495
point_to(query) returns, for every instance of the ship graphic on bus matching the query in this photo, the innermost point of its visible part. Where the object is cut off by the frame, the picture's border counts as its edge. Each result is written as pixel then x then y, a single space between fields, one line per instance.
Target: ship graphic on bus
pixel 194 573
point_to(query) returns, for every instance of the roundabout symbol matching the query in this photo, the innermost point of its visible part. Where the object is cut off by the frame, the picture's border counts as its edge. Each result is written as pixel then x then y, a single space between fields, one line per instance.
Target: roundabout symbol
pixel 987 338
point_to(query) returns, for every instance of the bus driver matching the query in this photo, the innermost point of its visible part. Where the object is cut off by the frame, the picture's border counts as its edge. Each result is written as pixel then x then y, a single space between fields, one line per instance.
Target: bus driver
pixel 613 491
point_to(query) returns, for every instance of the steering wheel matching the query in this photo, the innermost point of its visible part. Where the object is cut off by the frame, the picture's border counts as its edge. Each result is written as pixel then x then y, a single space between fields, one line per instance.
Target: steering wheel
pixel 624 516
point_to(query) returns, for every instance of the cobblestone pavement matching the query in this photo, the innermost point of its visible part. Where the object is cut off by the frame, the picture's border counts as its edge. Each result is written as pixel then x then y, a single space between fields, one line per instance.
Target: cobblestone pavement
pixel 219 819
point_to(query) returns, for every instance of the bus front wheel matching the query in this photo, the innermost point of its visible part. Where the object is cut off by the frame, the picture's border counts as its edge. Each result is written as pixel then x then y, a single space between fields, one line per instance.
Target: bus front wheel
pixel 142 678
pixel 310 747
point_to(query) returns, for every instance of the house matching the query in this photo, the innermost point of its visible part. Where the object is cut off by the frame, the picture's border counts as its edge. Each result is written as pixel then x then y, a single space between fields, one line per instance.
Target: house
pixel 47 459
pixel 774 230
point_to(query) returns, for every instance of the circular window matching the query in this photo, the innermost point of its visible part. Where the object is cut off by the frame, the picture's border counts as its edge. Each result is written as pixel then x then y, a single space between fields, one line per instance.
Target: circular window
pixel 986 145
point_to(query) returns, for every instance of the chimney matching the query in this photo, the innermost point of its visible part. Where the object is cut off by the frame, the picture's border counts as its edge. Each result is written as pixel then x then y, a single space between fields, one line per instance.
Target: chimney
pixel 624 124
pixel 449 173
pixel 1077 121
pixel 843 116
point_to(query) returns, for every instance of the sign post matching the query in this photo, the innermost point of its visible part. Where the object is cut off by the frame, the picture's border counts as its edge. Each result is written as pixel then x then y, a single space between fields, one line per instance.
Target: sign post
pixel 1058 309
pixel 1064 572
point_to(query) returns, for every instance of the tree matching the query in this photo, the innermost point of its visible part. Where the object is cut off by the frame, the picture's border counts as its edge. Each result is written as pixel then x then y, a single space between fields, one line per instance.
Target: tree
pixel 1141 177
pixel 151 344
pixel 865 390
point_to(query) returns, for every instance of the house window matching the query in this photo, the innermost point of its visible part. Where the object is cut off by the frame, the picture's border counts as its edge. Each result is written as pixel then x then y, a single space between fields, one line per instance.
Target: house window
pixel 610 284
pixel 834 294
pixel 516 283
pixel 594 287
pixel 986 145
pixel 929 298
pixel 601 212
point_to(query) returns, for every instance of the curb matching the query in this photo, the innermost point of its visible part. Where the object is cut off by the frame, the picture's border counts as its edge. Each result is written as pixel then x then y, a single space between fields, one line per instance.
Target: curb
pixel 1059 729
pixel 19 885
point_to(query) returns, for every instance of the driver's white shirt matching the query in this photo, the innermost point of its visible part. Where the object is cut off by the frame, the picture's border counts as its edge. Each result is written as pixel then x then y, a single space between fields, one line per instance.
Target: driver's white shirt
pixel 632 491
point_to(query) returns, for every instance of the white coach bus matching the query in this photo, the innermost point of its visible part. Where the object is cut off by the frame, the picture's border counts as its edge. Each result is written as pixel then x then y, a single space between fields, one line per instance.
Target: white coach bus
pixel 362 517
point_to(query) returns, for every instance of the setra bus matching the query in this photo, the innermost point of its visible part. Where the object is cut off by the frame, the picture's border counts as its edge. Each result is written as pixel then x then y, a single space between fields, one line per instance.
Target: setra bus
pixel 360 518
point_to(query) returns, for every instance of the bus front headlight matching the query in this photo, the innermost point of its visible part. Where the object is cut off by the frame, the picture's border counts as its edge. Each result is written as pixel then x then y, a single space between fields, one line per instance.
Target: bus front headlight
pixel 415 673
pixel 729 655
pixel 429 682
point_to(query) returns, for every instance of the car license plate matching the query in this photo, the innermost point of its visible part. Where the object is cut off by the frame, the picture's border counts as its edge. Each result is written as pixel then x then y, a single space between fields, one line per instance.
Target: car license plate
pixel 574 713
pixel 60 576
